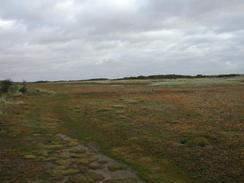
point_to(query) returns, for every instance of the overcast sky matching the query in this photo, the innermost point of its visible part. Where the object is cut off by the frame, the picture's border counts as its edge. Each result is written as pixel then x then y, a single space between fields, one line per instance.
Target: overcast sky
pixel 80 39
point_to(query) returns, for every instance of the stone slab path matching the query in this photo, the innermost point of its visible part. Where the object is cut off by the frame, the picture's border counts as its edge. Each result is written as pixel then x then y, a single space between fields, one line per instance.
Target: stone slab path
pixel 68 160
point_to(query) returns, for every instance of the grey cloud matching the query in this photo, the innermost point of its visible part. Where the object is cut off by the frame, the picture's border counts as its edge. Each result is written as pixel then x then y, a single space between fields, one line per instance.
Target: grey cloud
pixel 76 39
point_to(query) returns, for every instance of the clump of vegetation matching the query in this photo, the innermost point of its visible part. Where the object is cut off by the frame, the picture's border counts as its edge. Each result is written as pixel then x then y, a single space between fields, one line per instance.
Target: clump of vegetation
pixel 5 85
pixel 195 141
pixel 23 88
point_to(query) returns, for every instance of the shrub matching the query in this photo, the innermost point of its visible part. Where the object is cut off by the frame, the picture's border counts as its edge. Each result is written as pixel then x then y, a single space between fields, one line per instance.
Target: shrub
pixel 5 85
pixel 23 88
pixel 13 89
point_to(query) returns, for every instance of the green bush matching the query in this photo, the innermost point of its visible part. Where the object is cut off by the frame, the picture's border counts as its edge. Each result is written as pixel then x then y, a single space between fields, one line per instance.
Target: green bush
pixel 23 89
pixel 13 89
pixel 5 85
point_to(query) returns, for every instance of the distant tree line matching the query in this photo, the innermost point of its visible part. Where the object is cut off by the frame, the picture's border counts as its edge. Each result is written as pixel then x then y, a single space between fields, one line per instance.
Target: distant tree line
pixel 165 76
pixel 176 76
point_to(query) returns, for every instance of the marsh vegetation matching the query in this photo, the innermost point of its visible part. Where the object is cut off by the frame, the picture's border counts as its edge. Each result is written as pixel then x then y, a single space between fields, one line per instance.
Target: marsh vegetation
pixel 124 131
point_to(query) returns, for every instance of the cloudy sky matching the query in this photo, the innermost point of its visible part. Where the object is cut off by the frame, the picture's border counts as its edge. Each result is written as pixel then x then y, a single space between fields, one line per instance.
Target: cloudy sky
pixel 80 39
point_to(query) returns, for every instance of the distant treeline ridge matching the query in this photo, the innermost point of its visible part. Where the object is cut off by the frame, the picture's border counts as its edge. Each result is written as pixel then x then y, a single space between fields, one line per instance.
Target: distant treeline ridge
pixel 177 76
pixel 166 76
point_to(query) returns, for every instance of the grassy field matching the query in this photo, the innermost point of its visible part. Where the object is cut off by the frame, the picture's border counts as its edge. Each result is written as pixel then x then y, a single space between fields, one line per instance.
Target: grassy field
pixel 166 131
